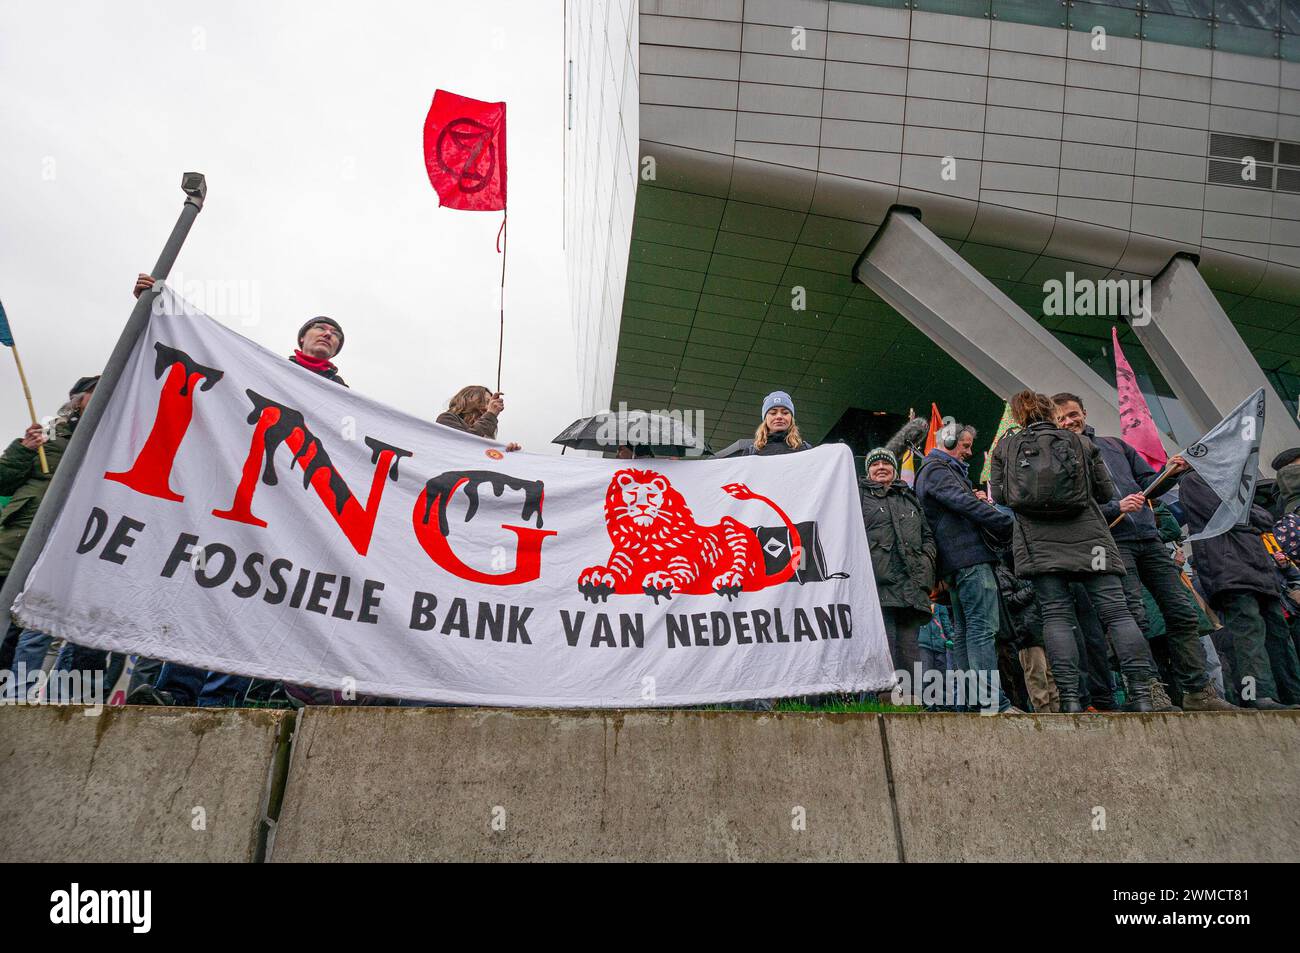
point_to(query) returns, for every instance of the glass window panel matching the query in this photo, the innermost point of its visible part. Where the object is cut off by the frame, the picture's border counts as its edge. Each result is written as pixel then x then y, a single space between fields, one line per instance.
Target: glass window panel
pixel 1291 47
pixel 1118 21
pixel 1241 39
pixel 961 8
pixel 1038 12
pixel 1203 9
pixel 1291 15
pixel 1184 31
pixel 1260 14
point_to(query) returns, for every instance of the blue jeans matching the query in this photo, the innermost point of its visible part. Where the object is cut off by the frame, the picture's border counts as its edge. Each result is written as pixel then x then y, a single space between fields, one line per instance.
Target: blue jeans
pixel 192 686
pixel 29 659
pixel 975 614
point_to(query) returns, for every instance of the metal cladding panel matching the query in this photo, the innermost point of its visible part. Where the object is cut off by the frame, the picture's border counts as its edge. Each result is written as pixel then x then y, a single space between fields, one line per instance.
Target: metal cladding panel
pixel 1065 158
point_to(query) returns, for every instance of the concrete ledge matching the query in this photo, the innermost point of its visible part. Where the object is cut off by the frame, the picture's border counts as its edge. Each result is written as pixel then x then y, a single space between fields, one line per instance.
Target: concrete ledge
pixel 423 784
pixel 123 786
pixel 1178 787
pixel 482 784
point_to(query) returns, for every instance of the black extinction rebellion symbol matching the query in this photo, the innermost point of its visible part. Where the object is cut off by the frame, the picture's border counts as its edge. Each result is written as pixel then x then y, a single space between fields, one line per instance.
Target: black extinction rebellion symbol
pixel 461 145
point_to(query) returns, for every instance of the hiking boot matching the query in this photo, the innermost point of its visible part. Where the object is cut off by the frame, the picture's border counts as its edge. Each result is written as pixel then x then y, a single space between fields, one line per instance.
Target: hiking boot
pixel 1207 699
pixel 1140 701
pixel 148 695
pixel 1160 700
pixel 1072 708
pixel 1269 704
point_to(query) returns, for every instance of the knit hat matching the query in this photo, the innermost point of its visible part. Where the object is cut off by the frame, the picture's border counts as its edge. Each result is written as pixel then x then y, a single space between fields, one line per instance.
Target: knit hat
pixel 880 453
pixel 302 331
pixel 1285 457
pixel 778 398
pixel 84 385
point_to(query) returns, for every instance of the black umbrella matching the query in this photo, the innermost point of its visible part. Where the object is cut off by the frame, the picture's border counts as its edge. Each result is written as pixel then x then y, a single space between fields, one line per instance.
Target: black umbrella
pixel 735 449
pixel 661 434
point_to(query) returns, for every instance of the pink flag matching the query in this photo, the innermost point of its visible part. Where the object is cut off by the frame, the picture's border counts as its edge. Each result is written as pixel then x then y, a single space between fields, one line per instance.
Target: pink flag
pixel 1137 429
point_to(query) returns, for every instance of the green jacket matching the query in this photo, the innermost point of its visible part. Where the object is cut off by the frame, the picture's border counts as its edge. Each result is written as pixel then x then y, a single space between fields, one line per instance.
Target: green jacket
pixel 1288 487
pixel 22 479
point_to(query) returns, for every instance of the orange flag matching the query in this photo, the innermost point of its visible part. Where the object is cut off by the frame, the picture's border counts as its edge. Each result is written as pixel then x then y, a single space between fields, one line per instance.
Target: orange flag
pixel 936 424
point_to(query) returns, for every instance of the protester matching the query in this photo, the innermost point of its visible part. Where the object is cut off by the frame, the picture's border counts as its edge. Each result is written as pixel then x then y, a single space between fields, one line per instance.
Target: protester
pixel 1147 562
pixel 1241 583
pixel 1055 482
pixel 902 557
pixel 959 516
pixel 1023 625
pixel 319 340
pixel 23 482
pixel 475 409
pixel 934 640
pixel 777 432
pixel 1286 526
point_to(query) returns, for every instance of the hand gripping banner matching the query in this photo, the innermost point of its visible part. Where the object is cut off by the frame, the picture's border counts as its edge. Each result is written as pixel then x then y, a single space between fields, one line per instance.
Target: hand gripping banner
pixel 240 514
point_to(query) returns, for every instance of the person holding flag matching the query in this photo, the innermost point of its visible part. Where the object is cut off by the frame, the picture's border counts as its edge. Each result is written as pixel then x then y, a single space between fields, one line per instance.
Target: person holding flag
pixel 22 480
pixel 1146 560
pixel 1236 570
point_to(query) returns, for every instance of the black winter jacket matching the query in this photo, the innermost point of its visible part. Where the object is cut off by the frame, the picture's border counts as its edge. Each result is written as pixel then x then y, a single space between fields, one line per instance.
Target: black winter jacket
pixel 1130 474
pixel 902 546
pixel 1233 561
pixel 1078 544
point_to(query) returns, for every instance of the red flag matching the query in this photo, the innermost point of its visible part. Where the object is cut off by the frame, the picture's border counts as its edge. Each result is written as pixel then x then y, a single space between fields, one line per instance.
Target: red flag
pixel 936 424
pixel 465 152
pixel 1137 429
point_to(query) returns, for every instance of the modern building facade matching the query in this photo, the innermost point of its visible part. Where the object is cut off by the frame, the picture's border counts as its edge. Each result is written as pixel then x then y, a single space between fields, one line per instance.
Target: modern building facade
pixel 861 203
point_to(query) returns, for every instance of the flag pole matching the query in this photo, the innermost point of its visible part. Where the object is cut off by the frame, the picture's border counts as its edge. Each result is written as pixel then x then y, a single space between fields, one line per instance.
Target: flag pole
pixel 195 188
pixel 501 340
pixel 1150 488
pixel 31 408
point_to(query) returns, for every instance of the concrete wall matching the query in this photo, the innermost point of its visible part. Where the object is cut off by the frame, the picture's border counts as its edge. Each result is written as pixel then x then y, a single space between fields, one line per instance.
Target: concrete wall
pixel 123 786
pixel 584 786
pixel 723 785
pixel 1182 787
pixel 428 784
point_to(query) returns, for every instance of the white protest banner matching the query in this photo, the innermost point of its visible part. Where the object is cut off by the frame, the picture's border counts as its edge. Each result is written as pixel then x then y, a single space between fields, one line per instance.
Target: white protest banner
pixel 238 513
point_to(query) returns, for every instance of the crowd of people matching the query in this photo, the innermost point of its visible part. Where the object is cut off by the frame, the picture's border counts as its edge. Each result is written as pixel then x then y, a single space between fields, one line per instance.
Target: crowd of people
pixel 1063 585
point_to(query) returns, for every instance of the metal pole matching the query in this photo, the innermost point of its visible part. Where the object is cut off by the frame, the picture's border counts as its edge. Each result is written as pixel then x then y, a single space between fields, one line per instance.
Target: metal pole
pixel 195 188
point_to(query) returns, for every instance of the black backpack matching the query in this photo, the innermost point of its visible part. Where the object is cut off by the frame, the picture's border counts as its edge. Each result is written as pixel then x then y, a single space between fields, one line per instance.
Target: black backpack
pixel 1046 476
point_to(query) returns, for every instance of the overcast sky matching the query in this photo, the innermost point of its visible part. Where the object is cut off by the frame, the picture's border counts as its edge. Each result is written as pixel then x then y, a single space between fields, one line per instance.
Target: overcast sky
pixel 307 120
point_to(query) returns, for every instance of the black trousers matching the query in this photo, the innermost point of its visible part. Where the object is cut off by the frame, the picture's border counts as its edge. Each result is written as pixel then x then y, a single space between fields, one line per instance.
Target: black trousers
pixel 1263 656
pixel 1149 564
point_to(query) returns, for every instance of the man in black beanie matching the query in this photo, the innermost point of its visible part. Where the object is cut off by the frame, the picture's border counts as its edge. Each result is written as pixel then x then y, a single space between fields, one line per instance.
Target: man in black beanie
pixel 319 340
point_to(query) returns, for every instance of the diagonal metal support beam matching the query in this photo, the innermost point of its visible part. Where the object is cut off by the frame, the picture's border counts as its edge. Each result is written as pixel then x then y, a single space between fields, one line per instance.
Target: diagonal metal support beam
pixel 1199 352
pixel 956 307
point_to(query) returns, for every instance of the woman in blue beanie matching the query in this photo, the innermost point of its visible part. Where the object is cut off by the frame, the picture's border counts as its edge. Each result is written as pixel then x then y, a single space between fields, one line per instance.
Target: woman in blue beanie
pixel 778 433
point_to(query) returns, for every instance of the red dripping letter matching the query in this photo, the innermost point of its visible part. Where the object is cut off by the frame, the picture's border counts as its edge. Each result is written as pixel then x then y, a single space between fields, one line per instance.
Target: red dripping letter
pixel 431 527
pixel 276 424
pixel 151 472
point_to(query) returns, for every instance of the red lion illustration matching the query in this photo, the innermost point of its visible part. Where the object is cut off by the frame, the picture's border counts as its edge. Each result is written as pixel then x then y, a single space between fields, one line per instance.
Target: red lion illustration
pixel 660 550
